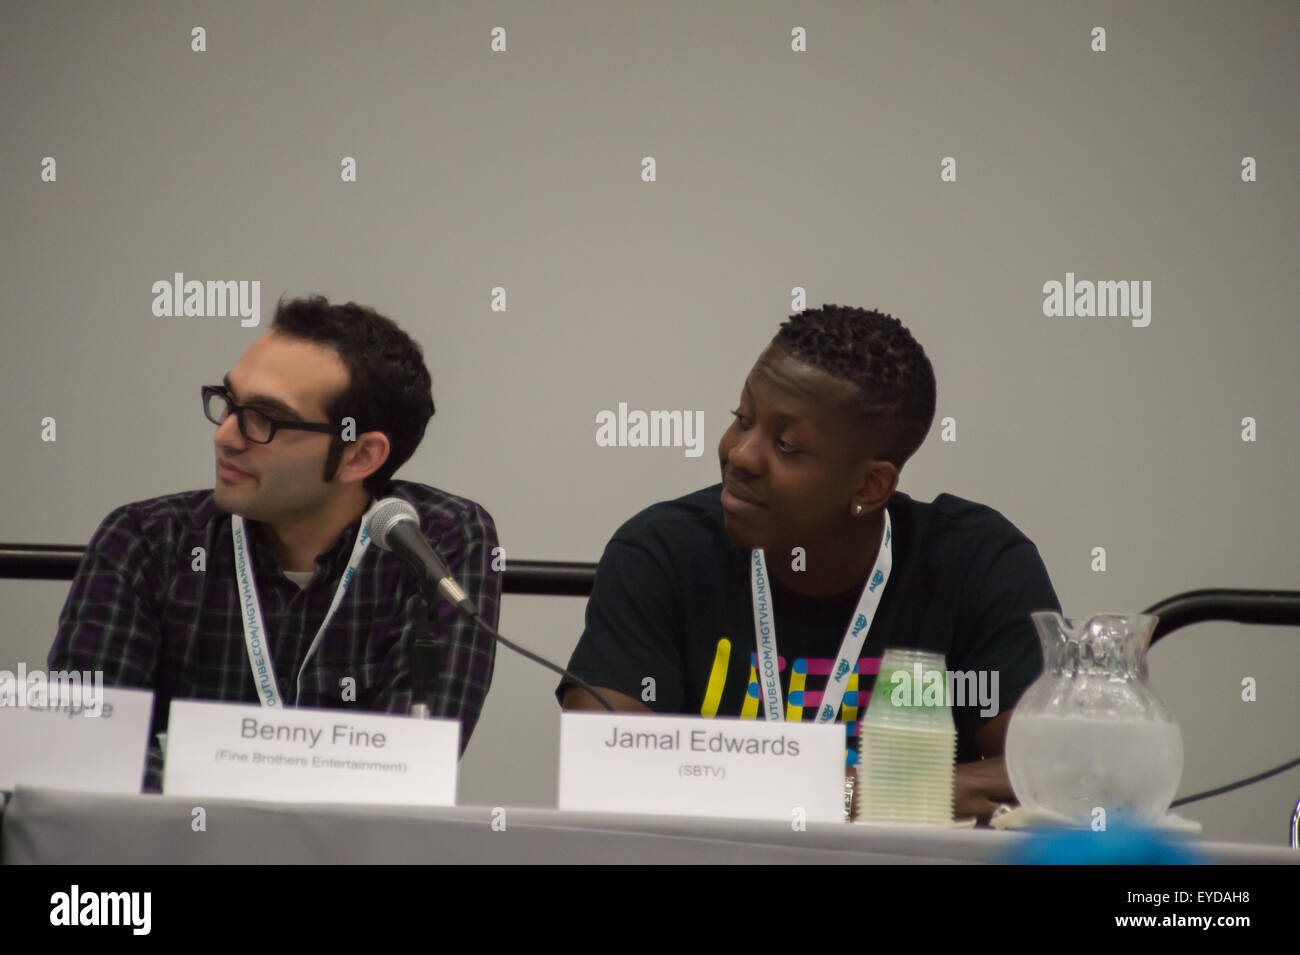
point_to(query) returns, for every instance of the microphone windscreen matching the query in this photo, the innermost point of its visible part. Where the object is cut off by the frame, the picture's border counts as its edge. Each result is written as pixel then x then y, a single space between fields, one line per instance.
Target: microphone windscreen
pixel 386 515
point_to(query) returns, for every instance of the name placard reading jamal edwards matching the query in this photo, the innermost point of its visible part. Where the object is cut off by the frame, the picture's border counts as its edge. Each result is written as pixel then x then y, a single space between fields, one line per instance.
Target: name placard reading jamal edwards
pixel 693 766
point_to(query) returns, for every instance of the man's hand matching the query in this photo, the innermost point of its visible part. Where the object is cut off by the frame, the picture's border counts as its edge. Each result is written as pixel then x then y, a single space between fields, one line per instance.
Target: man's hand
pixel 979 787
pixel 576 698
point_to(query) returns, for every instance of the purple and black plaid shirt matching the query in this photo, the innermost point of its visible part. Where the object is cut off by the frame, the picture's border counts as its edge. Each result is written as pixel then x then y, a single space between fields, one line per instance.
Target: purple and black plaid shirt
pixel 139 612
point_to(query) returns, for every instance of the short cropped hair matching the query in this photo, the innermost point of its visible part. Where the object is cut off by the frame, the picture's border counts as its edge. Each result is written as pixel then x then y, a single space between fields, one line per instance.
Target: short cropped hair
pixel 872 350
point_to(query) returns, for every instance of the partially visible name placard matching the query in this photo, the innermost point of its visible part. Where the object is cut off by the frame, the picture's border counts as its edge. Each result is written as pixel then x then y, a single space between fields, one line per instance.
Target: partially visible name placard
pixel 65 745
pixel 692 766
pixel 247 751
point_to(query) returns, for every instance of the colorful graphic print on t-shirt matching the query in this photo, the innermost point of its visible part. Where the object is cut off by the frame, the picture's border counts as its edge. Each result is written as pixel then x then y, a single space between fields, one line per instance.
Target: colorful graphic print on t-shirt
pixel 804 684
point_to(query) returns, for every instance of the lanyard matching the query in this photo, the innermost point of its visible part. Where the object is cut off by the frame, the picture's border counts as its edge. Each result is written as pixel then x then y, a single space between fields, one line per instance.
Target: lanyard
pixel 769 680
pixel 259 656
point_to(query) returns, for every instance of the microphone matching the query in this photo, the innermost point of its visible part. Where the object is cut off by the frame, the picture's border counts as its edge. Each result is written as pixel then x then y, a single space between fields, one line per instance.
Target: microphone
pixel 394 526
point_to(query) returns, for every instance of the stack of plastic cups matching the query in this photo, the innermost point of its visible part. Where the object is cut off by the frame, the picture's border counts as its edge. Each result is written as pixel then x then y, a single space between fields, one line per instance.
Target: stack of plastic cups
pixel 907 743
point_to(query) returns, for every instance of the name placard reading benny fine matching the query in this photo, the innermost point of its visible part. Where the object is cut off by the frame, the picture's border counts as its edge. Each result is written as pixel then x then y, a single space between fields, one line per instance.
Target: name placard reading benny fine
pixel 247 751
pixel 692 766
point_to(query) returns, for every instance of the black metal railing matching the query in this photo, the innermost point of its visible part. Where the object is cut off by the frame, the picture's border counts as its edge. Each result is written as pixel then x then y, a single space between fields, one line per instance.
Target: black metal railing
pixel 1277 607
pixel 574 579
pixel 556 578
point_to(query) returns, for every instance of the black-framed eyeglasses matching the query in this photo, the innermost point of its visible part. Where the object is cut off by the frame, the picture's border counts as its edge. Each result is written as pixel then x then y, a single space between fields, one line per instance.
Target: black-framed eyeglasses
pixel 254 425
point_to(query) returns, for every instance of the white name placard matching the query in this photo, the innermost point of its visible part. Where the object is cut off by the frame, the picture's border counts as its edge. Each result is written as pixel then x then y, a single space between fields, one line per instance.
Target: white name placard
pixel 692 766
pixel 248 751
pixel 63 744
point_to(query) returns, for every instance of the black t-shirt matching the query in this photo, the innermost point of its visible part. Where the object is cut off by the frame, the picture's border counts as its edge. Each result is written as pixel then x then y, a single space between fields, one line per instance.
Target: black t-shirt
pixel 671 604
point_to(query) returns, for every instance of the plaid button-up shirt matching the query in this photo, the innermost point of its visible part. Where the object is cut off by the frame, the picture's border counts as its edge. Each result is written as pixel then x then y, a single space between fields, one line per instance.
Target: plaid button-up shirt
pixel 141 612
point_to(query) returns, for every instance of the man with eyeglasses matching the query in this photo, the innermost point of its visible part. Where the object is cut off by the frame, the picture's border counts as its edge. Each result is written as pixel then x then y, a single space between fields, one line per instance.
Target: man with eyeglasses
pixel 181 594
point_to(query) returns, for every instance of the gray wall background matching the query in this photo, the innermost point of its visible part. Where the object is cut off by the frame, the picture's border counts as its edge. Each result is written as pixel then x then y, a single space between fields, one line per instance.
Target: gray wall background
pixel 776 169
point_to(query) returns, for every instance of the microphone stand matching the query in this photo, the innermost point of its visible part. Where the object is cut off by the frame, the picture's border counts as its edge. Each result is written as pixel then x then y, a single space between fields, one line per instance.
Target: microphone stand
pixel 398 530
pixel 425 662
pixel 425 665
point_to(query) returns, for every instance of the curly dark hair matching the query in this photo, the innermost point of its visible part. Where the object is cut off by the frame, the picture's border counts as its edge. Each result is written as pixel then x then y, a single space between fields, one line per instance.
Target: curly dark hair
pixel 389 388
pixel 895 380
